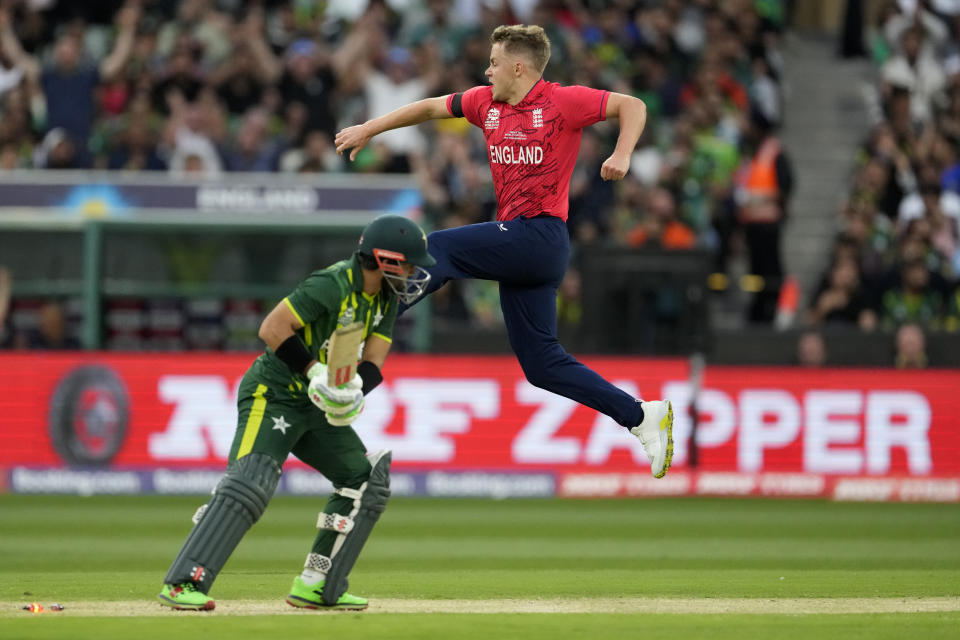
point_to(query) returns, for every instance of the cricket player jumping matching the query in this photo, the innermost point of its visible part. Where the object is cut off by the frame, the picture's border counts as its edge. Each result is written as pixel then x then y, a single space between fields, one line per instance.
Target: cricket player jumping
pixel 533 129
pixel 287 404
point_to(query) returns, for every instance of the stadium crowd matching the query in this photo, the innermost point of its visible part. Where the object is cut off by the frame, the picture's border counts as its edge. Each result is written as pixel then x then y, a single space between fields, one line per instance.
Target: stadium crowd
pixel 895 263
pixel 213 86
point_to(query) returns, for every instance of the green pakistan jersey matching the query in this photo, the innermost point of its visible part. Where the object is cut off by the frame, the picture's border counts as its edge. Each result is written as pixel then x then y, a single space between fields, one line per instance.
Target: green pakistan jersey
pixel 327 300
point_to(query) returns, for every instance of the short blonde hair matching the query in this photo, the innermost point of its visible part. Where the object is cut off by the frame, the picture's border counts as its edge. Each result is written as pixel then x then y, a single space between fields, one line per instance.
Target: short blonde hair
pixel 528 39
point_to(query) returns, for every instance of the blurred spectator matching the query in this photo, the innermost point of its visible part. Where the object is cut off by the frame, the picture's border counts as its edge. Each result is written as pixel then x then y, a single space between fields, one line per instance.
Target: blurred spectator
pixel 911 348
pixel 189 140
pixel 179 80
pixel 811 349
pixel 68 82
pixel 318 155
pixel 17 135
pixel 945 155
pixel 130 140
pixel 313 76
pixel 949 119
pixel 253 150
pixel 483 300
pixel 901 16
pixel 455 186
pixel 590 195
pixel 399 80
pixel 242 79
pixel 10 73
pixel 656 86
pixel 905 128
pixel 917 70
pixel 886 172
pixel 659 226
pixel 435 24
pixel 880 48
pixel 6 288
pixel 765 91
pixel 868 238
pixel 763 189
pixel 875 188
pixel 197 21
pixel 709 170
pixel 936 213
pixel 475 301
pixel 135 149
pixel 449 305
pixel 51 331
pixel 951 320
pixel 913 300
pixel 842 299
pixel 712 79
pixel 57 151
pixel 569 299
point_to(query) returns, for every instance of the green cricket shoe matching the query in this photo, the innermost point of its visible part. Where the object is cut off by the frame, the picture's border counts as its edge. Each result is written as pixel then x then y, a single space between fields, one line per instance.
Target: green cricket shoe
pixel 185 597
pixel 309 597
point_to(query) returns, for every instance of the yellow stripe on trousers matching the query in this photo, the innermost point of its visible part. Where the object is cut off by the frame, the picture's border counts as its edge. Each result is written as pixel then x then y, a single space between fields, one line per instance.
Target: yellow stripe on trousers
pixel 252 428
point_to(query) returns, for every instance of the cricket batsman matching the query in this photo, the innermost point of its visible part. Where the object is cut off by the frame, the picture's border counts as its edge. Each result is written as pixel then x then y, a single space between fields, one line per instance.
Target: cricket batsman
pixel 287 405
pixel 533 129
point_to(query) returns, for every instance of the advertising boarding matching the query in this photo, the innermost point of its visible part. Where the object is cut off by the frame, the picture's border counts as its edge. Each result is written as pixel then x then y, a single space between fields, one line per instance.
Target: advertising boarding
pixel 473 426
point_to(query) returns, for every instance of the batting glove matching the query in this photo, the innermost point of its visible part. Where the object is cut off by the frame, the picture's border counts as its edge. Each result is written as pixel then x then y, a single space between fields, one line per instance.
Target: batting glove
pixel 338 402
pixel 346 419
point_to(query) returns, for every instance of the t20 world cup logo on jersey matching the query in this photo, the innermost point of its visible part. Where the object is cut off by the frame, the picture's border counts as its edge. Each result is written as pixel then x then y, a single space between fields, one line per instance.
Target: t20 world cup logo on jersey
pixel 346 317
pixel 493 119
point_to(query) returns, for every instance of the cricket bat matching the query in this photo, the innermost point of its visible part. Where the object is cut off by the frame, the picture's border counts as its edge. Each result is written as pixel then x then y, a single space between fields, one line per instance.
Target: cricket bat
pixel 343 354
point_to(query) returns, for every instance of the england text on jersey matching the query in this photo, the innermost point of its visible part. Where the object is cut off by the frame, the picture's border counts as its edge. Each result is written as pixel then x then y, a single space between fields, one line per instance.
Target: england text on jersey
pixel 516 155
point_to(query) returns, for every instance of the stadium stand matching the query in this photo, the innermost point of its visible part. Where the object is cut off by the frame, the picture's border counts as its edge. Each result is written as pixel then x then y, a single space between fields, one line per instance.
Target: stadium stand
pixel 209 88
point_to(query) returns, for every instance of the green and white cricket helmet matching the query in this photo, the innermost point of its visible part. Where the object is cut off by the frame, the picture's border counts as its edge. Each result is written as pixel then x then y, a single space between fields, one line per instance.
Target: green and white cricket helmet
pixel 393 240
pixel 399 235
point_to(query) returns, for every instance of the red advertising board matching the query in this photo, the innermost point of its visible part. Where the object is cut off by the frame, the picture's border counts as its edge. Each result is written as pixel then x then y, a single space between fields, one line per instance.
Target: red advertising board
pixel 465 412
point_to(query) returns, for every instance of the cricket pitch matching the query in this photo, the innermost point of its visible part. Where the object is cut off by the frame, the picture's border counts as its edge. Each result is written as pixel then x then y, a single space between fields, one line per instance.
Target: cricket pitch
pixel 802 606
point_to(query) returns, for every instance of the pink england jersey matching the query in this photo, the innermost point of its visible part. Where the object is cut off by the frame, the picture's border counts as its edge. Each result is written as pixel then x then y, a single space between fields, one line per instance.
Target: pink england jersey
pixel 532 146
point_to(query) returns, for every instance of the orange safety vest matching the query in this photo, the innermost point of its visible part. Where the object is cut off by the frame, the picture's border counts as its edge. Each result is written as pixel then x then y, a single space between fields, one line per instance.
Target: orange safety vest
pixel 758 194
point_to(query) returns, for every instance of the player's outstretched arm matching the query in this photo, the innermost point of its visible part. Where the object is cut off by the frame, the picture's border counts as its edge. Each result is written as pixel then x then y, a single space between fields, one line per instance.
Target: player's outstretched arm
pixel 357 137
pixel 632 114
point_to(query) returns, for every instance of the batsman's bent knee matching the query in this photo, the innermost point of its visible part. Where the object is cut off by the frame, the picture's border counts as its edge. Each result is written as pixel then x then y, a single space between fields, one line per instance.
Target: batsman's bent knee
pixel 369 501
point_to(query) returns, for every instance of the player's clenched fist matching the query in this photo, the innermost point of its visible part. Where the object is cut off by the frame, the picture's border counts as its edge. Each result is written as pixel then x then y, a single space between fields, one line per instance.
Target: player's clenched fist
pixel 341 404
pixel 615 167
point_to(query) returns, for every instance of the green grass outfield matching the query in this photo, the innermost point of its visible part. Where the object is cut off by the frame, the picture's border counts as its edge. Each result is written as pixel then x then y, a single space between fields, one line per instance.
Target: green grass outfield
pixel 717 568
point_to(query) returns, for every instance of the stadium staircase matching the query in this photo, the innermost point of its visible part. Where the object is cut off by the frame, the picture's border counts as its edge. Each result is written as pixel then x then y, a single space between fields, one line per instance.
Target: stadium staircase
pixel 826 117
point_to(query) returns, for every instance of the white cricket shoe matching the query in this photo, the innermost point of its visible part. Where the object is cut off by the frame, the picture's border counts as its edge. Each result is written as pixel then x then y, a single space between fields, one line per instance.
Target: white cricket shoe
pixel 656 435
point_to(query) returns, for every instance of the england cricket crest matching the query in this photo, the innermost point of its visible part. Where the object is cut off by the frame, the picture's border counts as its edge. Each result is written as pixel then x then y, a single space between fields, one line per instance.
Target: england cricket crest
pixel 537 118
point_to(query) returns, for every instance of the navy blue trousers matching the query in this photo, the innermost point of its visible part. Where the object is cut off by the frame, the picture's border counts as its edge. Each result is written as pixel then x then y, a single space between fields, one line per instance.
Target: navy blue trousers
pixel 528 258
